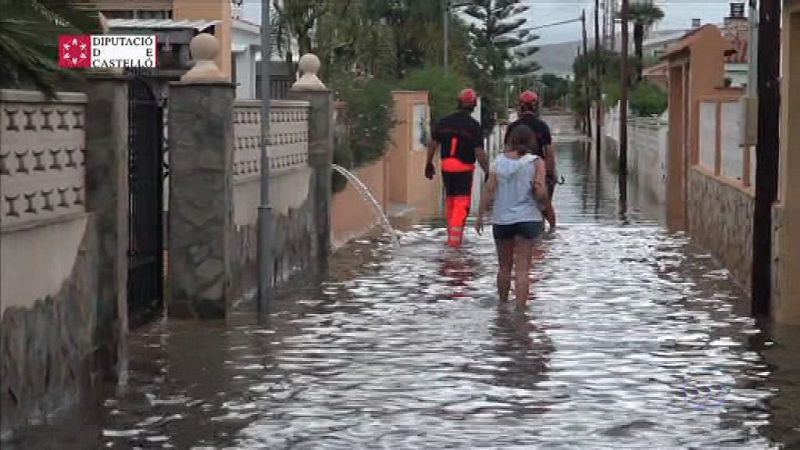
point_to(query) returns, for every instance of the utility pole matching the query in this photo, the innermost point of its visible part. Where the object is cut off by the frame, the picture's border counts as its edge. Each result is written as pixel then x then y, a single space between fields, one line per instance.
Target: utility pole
pixel 767 151
pixel 598 82
pixel 446 21
pixel 587 90
pixel 604 41
pixel 752 50
pixel 265 272
pixel 623 107
pixel 613 25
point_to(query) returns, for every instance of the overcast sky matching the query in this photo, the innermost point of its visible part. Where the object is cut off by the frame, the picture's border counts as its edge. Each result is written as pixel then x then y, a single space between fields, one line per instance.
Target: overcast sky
pixel 678 15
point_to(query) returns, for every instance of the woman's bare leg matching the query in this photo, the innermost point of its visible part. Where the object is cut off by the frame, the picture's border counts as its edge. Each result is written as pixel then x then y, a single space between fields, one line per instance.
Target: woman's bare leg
pixel 550 215
pixel 505 257
pixel 522 266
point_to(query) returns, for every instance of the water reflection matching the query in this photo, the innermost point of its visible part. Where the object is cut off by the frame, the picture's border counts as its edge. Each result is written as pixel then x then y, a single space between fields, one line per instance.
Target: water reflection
pixel 457 272
pixel 633 339
pixel 780 347
pixel 523 348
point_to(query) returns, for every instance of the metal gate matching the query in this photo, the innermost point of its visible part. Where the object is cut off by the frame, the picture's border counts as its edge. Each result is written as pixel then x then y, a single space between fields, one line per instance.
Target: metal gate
pixel 145 215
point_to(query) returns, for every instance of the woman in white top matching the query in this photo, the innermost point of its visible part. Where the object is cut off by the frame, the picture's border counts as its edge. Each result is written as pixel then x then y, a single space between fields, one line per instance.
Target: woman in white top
pixel 516 188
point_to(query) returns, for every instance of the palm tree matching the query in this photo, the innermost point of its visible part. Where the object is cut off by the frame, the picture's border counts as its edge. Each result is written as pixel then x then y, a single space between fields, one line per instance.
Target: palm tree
pixel 643 14
pixel 29 32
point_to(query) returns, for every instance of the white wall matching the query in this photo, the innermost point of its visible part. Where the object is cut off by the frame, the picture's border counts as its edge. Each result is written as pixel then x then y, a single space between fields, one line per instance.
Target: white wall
pixel 245 44
pixel 647 150
pixel 246 75
pixel 739 74
pixel 42 179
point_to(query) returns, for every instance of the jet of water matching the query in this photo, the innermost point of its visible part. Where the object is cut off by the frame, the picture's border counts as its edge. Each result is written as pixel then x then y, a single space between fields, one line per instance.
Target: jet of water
pixel 364 191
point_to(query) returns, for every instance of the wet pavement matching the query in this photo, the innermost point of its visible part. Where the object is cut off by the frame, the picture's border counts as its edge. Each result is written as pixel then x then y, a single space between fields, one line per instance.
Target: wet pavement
pixel 633 339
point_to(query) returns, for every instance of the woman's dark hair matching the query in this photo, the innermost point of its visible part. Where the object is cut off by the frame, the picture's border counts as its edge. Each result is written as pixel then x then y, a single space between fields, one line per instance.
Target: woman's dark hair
pixel 523 140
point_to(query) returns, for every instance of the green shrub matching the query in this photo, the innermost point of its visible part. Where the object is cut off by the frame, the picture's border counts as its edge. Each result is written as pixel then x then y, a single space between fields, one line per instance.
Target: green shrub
pixel 370 114
pixel 577 98
pixel 612 89
pixel 647 99
pixel 443 88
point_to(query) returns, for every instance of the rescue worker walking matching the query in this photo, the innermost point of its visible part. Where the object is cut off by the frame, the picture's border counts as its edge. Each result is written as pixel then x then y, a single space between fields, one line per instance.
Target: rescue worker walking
pixel 529 115
pixel 460 140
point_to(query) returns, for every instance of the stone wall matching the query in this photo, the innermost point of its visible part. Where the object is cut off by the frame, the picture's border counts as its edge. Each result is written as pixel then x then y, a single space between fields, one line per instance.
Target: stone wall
pixel 291 193
pixel 48 256
pixel 47 348
pixel 200 210
pixel 721 222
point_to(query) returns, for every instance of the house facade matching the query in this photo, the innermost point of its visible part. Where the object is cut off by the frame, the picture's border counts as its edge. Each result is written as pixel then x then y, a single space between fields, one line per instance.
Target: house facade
pixel 245 50
pixel 209 10
pixel 786 214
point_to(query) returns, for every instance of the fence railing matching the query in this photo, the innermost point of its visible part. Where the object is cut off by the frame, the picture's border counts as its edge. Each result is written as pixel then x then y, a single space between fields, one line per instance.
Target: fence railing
pixel 288 143
pixel 42 155
pixel 720 149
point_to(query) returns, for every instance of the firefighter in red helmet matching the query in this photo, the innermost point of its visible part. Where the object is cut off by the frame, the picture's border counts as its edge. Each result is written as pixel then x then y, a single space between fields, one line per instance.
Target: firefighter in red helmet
pixel 459 138
pixel 529 115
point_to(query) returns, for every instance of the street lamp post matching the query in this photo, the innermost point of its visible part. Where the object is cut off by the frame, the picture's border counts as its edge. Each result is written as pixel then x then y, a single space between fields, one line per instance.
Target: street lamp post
pixel 265 272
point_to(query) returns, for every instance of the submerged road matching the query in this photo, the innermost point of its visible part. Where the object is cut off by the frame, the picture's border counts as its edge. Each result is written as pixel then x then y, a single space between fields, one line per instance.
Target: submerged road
pixel 634 339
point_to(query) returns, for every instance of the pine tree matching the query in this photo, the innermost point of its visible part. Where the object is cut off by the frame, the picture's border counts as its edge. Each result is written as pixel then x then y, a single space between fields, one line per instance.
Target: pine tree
pixel 502 48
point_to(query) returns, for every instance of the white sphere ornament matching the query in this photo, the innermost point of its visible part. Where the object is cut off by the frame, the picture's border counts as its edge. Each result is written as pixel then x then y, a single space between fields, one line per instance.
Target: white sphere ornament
pixel 204 48
pixel 309 66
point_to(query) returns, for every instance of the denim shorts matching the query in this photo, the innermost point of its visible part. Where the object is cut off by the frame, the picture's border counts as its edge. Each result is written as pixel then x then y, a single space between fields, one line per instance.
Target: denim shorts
pixel 525 230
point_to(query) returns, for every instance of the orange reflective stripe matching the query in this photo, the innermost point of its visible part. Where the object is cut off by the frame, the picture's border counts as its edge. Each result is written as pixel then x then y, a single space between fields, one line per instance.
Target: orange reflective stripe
pixel 453 146
pixel 457 211
pixel 456 165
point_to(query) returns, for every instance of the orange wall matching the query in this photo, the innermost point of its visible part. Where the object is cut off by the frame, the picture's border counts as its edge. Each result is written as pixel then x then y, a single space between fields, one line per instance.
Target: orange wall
pixel 353 215
pixel 697 69
pixel 396 178
pixel 407 159
pixel 211 10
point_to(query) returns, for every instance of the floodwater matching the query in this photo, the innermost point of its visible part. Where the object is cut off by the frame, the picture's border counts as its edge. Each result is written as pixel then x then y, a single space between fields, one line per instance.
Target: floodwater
pixel 634 339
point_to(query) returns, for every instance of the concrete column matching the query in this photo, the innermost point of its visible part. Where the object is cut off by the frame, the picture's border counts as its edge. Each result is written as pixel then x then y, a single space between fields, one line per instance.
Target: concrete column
pixel 201 187
pixel 320 147
pixel 107 200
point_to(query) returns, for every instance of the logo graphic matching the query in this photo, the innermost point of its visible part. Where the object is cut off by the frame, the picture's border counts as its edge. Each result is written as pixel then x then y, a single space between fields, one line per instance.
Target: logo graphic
pixel 107 51
pixel 75 50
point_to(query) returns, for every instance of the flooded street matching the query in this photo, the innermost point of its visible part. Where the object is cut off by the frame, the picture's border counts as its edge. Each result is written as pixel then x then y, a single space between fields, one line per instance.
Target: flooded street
pixel 634 339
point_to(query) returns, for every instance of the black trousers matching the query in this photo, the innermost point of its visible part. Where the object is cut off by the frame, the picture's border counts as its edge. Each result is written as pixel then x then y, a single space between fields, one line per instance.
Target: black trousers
pixel 457 183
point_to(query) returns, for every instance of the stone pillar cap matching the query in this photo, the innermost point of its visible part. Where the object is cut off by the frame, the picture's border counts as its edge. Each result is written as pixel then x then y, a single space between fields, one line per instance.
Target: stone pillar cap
pixel 309 66
pixel 204 48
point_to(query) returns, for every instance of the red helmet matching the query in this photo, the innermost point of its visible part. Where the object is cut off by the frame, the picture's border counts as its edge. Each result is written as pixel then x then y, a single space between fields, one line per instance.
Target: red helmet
pixel 468 97
pixel 528 98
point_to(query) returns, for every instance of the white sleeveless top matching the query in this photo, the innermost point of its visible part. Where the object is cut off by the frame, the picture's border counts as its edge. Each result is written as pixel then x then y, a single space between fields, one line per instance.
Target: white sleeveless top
pixel 514 201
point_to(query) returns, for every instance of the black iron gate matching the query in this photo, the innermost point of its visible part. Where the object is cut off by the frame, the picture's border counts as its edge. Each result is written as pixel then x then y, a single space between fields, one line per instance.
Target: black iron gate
pixel 145 216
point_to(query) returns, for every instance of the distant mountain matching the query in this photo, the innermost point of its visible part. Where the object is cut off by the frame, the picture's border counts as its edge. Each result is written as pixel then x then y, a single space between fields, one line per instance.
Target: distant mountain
pixel 558 58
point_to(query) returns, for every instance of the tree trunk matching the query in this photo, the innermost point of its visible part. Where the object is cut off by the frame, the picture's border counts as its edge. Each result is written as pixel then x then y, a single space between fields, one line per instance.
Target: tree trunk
pixel 638 39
